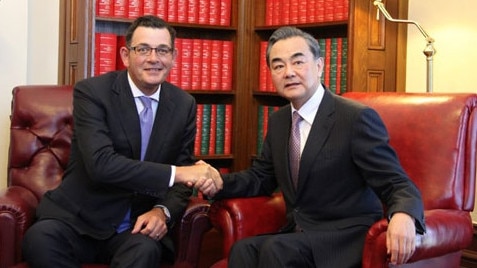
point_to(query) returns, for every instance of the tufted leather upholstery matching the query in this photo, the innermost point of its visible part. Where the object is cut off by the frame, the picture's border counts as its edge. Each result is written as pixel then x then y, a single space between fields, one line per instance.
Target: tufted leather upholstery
pixel 435 136
pixel 41 129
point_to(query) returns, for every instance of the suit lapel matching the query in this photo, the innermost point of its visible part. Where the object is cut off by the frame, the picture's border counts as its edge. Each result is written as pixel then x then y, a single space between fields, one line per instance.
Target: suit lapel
pixel 127 112
pixel 164 118
pixel 319 133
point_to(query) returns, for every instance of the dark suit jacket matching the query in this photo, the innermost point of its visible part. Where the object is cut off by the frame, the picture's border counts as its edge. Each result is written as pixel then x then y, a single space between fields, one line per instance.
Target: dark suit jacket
pixel 346 167
pixel 104 174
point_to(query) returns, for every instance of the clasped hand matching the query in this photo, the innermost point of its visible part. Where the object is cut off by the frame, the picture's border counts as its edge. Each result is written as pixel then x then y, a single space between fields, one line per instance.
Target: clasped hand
pixel 201 176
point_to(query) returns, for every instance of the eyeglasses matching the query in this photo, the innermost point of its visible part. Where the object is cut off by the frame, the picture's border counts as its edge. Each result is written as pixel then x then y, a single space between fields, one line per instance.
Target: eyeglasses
pixel 146 50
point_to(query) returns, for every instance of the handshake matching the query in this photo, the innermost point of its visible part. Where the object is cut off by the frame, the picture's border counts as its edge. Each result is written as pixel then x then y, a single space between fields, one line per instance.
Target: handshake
pixel 201 176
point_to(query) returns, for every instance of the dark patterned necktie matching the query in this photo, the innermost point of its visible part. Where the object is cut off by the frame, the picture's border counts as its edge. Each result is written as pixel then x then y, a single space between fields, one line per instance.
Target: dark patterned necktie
pixel 294 147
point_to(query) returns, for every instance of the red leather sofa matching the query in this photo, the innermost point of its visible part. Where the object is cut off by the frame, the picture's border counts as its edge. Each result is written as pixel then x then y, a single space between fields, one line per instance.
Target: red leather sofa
pixel 435 136
pixel 40 138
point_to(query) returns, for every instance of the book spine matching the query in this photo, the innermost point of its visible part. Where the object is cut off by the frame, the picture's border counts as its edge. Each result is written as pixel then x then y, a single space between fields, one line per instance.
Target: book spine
pixel 162 10
pixel 204 7
pixel 206 64
pixel 269 12
pixel 196 64
pixel 204 145
pixel 213 129
pixel 172 10
pixel 149 7
pixel 344 65
pixel 107 52
pixel 215 64
pixel 214 12
pixel 228 129
pixel 121 42
pixel 186 66
pixel 263 69
pixel 175 74
pixel 227 65
pixel 193 11
pixel 339 47
pixel 225 12
pixel 198 134
pixel 135 8
pixel 220 129
pixel 333 63
pixel 182 7
pixel 260 128
pixel 104 8
pixel 120 9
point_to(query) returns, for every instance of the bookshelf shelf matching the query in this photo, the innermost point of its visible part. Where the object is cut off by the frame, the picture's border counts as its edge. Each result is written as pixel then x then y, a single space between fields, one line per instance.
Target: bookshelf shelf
pixel 373 47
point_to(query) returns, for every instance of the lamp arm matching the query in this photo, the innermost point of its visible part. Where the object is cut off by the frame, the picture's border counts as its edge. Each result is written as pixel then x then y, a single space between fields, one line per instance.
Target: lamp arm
pixel 429 50
pixel 379 4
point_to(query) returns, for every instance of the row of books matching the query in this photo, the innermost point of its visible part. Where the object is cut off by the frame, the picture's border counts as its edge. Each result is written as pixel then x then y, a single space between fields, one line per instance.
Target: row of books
pixel 203 64
pixel 284 12
pixel 335 56
pixel 207 12
pixel 263 113
pixel 214 129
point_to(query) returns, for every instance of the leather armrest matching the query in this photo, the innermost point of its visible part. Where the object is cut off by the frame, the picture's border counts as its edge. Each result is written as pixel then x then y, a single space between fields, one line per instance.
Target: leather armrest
pixel 238 218
pixel 17 212
pixel 189 232
pixel 447 231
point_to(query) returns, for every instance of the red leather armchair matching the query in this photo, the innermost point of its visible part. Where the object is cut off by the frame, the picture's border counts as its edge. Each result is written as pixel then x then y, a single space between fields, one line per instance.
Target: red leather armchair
pixel 435 136
pixel 41 129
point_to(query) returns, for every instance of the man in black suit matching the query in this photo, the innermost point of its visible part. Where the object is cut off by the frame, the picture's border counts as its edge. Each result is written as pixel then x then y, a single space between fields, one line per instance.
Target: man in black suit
pixel 346 169
pixel 114 205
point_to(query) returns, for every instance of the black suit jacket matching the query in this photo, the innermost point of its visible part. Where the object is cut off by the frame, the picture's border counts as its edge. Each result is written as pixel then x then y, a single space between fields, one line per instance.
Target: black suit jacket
pixel 104 176
pixel 347 169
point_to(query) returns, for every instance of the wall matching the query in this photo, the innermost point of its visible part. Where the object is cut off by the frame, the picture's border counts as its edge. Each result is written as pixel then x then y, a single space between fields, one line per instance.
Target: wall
pixel 453 25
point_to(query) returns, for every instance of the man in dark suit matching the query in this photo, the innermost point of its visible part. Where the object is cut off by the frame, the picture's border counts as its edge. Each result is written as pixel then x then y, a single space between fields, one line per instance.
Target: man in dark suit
pixel 346 169
pixel 114 205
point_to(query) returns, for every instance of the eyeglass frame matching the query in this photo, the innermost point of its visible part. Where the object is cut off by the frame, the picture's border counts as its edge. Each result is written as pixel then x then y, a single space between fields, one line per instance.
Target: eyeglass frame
pixel 161 50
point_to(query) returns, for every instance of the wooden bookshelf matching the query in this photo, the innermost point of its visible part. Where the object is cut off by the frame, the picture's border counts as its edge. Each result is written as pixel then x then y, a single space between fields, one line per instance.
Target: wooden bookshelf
pixel 376 57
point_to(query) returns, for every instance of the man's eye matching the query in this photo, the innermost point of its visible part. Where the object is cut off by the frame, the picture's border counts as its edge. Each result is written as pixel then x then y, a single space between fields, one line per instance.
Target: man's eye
pixel 142 49
pixel 163 51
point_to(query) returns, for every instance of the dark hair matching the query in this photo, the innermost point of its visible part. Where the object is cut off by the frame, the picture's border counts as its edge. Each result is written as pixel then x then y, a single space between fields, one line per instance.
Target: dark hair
pixel 288 32
pixel 150 22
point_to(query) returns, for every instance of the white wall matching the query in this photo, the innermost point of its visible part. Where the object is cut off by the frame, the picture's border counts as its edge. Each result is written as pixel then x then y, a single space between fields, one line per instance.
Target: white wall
pixel 28 55
pixel 453 25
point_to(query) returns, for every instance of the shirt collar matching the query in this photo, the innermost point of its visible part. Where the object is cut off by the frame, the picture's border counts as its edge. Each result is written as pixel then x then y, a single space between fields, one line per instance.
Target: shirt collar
pixel 138 93
pixel 309 109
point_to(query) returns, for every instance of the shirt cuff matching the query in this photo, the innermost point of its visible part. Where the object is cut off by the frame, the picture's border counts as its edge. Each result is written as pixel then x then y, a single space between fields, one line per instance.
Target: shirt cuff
pixel 173 175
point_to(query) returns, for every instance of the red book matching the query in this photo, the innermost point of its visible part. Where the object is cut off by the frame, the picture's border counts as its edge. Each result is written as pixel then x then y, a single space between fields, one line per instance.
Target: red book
pixel 104 8
pixel 162 10
pixel 228 129
pixel 193 12
pixel 121 42
pixel 225 11
pixel 182 8
pixel 96 54
pixel 294 7
pixel 302 12
pixel 213 128
pixel 135 8
pixel 285 13
pixel 175 74
pixel 149 7
pixel 263 69
pixel 215 64
pixel 277 12
pixel 320 10
pixel 120 9
pixel 198 134
pixel 227 65
pixel 206 64
pixel 327 61
pixel 339 12
pixel 329 10
pixel 196 64
pixel 269 12
pixel 311 11
pixel 265 122
pixel 172 10
pixel 186 70
pixel 107 52
pixel 204 6
pixel 214 12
